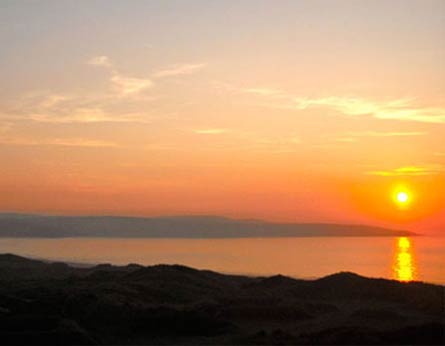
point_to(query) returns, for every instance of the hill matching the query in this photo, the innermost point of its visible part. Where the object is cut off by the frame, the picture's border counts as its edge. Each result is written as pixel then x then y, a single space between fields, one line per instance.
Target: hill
pixel 23 225
pixel 53 303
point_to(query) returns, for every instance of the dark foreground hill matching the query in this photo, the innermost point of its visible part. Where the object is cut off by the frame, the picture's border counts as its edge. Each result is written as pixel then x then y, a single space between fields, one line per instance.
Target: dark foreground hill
pixel 23 225
pixel 53 303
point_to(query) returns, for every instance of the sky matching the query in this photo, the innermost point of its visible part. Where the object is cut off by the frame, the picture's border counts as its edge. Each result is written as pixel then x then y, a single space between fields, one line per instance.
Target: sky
pixel 308 111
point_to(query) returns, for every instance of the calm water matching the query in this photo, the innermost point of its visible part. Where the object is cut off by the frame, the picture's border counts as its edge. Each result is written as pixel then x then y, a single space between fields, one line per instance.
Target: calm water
pixel 420 258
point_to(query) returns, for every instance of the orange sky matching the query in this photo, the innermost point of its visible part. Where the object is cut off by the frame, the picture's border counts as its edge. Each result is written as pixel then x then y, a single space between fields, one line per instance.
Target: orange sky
pixel 307 111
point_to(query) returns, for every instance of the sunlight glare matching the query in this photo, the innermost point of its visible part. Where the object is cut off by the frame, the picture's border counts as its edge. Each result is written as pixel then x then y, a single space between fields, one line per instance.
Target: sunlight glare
pixel 404 267
pixel 402 197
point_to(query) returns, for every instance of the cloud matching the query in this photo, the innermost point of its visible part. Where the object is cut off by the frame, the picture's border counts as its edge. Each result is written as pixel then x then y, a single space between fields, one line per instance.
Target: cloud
pixel 124 85
pixel 56 108
pixel 398 109
pixel 101 60
pixel 82 142
pixel 53 100
pixel 130 86
pixel 213 131
pixel 87 115
pixel 387 134
pixel 264 91
pixel 65 142
pixel 409 171
pixel 346 139
pixel 179 69
pixel 354 136
pixel 125 101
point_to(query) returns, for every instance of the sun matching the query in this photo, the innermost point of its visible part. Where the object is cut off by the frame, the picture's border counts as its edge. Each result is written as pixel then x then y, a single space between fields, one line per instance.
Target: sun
pixel 402 197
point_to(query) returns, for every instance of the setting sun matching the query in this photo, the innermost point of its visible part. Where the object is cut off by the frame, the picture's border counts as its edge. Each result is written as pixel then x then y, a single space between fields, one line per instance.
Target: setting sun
pixel 402 197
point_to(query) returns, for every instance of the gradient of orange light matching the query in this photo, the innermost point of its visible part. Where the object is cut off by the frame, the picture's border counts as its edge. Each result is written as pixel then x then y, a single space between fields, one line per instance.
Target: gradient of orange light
pixel 239 183
pixel 235 184
pixel 376 197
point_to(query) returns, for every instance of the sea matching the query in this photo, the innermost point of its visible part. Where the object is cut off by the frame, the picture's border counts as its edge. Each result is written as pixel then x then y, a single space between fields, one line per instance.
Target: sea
pixel 405 259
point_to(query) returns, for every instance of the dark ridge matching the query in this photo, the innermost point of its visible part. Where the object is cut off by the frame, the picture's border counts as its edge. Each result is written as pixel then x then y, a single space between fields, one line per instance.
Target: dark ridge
pixel 342 276
pixel 276 281
pixel 46 304
pixel 9 259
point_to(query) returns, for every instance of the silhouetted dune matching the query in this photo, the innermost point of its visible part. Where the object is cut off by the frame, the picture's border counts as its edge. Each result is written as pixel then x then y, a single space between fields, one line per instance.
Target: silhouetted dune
pixel 48 304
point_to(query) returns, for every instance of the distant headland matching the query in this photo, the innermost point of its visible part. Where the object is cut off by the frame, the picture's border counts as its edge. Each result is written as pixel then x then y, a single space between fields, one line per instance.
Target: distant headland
pixel 15 225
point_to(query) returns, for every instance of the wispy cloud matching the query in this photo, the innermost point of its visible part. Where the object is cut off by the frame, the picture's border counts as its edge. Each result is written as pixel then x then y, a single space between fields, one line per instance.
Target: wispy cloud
pixel 123 84
pixel 47 107
pixel 125 101
pixel 352 137
pixel 179 69
pixel 101 60
pixel 398 109
pixel 211 131
pixel 87 115
pixel 65 142
pixel 264 91
pixel 387 134
pixel 82 142
pixel 129 86
pixel 346 139
pixel 52 100
pixel 409 171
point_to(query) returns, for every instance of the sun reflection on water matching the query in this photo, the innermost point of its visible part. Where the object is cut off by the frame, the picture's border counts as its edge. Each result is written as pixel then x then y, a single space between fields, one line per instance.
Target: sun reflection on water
pixel 404 268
